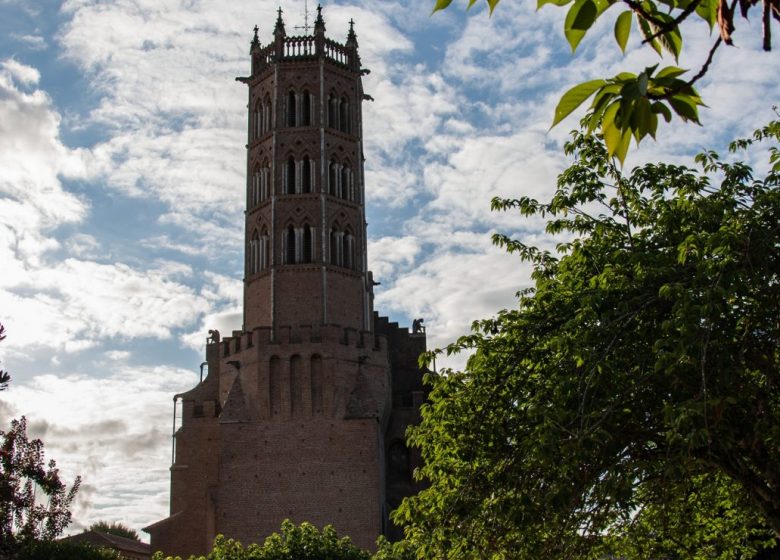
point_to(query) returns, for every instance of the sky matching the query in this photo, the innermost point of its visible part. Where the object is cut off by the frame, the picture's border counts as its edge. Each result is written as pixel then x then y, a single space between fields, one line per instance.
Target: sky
pixel 122 164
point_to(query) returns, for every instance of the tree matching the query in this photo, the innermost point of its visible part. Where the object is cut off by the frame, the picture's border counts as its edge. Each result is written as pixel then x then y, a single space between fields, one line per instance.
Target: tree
pixel 59 550
pixel 630 404
pixel 296 542
pixel 24 479
pixel 117 529
pixel 4 376
pixel 629 104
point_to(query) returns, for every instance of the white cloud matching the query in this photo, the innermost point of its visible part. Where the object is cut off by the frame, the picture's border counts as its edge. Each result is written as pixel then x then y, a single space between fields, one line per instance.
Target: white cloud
pixel 82 245
pixel 33 158
pixel 112 431
pixel 165 130
pixel 387 254
pixel 75 303
pixel 34 42
pixel 22 73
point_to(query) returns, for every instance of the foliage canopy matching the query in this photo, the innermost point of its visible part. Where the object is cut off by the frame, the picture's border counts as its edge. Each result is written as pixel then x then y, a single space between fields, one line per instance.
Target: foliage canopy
pixel 115 528
pixel 60 550
pixel 25 478
pixel 629 105
pixel 4 375
pixel 295 542
pixel 630 405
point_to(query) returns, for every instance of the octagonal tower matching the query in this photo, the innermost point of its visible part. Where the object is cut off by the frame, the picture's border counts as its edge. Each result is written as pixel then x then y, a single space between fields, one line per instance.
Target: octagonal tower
pixel 303 412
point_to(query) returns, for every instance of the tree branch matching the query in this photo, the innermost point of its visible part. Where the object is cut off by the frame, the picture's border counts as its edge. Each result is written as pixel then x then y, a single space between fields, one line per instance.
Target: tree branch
pixel 666 27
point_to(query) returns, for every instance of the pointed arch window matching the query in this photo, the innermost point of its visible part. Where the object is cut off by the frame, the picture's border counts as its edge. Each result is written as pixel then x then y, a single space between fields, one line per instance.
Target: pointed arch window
pixel 257 121
pixel 306 175
pixel 348 250
pixel 344 120
pixel 316 384
pixel 264 257
pixel 289 245
pixel 288 182
pixel 334 178
pixel 335 246
pixel 253 254
pixel 291 109
pixel 306 108
pixel 265 180
pixel 307 254
pixel 333 111
pixel 346 182
pixel 255 187
pixel 266 122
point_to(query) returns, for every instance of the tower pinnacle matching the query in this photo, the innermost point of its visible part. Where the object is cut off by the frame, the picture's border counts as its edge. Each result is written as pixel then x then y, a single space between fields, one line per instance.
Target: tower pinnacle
pixel 319 23
pixel 279 27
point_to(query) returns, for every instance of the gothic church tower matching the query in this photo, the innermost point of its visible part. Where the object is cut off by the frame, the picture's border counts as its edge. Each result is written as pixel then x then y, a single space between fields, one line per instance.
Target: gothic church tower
pixel 303 411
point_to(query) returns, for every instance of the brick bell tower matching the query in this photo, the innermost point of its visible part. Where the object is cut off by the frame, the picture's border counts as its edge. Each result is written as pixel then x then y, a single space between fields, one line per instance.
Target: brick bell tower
pixel 303 412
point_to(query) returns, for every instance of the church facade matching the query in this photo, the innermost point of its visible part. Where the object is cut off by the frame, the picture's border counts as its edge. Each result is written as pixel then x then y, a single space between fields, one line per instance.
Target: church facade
pixel 303 412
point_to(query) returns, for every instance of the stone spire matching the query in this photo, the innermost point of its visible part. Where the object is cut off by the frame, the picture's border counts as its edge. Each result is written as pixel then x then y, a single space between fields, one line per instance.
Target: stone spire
pixel 351 37
pixel 255 41
pixel 279 27
pixel 319 23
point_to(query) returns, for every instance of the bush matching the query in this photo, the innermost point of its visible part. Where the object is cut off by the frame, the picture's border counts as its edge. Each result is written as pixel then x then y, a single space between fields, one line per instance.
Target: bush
pixel 58 550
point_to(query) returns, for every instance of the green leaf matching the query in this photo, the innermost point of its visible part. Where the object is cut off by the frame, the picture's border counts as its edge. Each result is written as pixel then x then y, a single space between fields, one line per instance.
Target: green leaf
pixel 540 3
pixel 491 3
pixel 440 5
pixel 574 98
pixel 641 84
pixel 578 20
pixel 672 42
pixel 685 106
pixel 670 72
pixel 648 31
pixel 617 141
pixel 623 29
pixel 708 11
pixel 585 16
pixel 660 108
pixel 643 121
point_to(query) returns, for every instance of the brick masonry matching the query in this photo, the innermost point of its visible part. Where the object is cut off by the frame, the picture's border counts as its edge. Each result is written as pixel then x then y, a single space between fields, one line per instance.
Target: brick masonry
pixel 303 412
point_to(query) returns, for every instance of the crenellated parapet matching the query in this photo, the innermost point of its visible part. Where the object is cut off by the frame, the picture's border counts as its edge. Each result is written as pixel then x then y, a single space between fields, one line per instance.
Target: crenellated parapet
pixel 293 48
pixel 268 339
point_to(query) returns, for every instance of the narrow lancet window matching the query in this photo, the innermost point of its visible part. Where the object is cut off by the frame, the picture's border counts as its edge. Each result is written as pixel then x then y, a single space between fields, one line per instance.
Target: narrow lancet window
pixel 291 109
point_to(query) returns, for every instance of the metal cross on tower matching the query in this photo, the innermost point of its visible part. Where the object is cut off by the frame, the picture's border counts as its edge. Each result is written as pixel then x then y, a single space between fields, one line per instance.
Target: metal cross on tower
pixel 305 25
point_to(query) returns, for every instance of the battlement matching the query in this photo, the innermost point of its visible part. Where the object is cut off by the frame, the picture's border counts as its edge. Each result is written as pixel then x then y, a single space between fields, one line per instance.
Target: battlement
pixel 304 47
pixel 328 335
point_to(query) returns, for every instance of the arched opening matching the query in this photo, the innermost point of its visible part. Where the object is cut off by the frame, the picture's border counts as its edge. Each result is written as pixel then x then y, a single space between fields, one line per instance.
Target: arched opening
pixel 289 176
pixel 306 108
pixel 254 194
pixel 348 250
pixel 307 245
pixel 296 384
pixel 253 254
pixel 265 174
pixel 306 175
pixel 316 384
pixel 264 260
pixel 333 111
pixel 275 385
pixel 290 109
pixel 289 246
pixel 335 247
pixel 257 121
pixel 333 178
pixel 344 120
pixel 266 114
pixel 346 182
